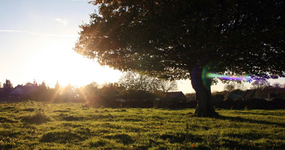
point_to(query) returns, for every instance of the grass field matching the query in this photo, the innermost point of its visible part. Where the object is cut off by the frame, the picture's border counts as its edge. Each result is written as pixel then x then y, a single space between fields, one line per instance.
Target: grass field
pixel 35 125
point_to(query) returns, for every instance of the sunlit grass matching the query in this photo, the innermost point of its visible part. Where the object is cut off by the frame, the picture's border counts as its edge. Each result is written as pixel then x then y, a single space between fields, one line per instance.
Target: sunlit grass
pixel 31 125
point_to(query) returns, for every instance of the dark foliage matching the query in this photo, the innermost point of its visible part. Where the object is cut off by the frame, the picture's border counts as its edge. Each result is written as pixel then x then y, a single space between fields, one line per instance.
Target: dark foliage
pixel 171 37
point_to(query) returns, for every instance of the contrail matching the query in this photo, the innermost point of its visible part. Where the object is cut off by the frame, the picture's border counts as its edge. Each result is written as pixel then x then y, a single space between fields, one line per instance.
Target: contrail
pixel 39 34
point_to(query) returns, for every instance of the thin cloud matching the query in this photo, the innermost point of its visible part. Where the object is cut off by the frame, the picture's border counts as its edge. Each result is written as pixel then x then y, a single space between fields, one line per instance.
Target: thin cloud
pixel 38 34
pixel 62 21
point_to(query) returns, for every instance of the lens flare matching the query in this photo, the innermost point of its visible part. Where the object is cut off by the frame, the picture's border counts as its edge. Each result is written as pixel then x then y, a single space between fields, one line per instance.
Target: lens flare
pixel 246 78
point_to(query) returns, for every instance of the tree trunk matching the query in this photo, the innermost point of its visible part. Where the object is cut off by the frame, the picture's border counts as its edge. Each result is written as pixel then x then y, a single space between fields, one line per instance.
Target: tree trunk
pixel 202 86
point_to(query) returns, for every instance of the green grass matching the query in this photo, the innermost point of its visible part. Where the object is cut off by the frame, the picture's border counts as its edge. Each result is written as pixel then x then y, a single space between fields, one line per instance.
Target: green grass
pixel 34 125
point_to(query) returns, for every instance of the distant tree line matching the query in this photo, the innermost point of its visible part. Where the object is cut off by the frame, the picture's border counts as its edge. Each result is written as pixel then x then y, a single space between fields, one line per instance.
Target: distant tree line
pixel 135 90
pixel 131 86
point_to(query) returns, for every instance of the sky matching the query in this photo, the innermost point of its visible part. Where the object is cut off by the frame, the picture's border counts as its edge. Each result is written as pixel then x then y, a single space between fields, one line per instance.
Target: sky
pixel 37 39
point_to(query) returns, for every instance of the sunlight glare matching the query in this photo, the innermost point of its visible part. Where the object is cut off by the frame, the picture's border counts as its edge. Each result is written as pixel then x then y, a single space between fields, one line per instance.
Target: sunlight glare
pixel 64 65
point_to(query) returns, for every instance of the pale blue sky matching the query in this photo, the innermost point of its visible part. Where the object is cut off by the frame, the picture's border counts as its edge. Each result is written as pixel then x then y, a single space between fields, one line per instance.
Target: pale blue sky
pixel 36 41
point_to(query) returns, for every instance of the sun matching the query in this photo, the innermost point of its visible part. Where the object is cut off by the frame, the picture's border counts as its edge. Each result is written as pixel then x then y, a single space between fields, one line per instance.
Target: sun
pixel 64 65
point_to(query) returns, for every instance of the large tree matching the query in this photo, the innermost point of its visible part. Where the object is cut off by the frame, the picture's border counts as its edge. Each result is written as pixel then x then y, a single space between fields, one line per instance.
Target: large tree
pixel 180 39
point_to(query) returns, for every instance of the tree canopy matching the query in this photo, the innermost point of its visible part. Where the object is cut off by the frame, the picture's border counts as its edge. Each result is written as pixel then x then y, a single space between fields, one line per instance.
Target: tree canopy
pixel 180 39
pixel 169 37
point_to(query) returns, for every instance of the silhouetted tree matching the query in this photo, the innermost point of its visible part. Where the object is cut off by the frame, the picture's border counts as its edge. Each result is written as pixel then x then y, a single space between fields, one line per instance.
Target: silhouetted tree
pixel 57 86
pixel 137 95
pixel 29 84
pixel 43 85
pixel 179 39
pixel 88 91
pixel 38 92
pixel 137 82
pixel 166 86
pixel 8 86
pixel 109 91
pixel 92 86
pixel 67 94
pixel 229 87
pixel 35 82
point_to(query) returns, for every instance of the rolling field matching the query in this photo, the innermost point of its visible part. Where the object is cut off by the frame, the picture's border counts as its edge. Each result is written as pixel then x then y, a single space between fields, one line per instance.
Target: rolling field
pixel 35 125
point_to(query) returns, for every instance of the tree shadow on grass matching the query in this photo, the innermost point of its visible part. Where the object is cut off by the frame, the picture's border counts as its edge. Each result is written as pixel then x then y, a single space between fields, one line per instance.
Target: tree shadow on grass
pixel 180 137
pixel 62 137
pixel 37 118
pixel 73 118
pixel 9 108
pixel 239 119
pixel 235 145
pixel 263 114
pixel 5 119
pixel 123 138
